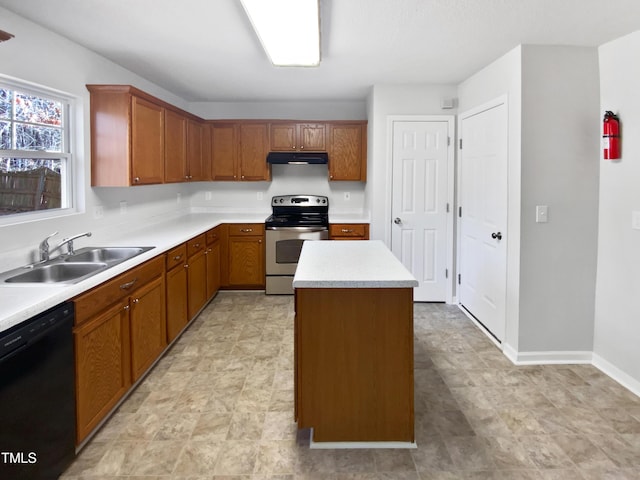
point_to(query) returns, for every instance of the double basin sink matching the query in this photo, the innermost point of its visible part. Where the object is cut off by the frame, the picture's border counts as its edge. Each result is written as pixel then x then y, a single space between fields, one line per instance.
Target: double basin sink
pixel 67 269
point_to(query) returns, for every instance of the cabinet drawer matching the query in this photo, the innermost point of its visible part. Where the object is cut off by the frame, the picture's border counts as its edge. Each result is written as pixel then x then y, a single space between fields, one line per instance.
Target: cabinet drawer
pixel 102 296
pixel 348 230
pixel 236 229
pixel 196 244
pixel 213 235
pixel 176 257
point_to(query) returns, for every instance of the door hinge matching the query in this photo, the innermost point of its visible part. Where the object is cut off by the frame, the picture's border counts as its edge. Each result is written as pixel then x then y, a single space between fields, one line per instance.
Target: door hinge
pixel 459 279
pixel 446 273
pixel 447 207
pixel 460 212
pixel 460 144
pixel 448 141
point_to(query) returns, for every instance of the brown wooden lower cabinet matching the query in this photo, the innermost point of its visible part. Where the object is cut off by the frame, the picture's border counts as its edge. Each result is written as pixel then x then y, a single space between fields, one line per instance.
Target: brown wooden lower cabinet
pixel 119 331
pixel 103 372
pixel 353 357
pixel 213 254
pixel 349 231
pixel 148 326
pixel 177 291
pixel 245 256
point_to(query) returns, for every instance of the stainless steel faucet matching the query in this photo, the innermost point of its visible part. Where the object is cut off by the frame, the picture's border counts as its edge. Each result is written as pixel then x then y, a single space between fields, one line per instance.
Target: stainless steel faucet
pixel 45 252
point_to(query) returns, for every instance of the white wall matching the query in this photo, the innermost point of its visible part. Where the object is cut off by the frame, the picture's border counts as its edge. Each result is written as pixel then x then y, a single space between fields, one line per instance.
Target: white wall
pixel 383 101
pixel 560 145
pixel 617 310
pixel 290 110
pixel 500 78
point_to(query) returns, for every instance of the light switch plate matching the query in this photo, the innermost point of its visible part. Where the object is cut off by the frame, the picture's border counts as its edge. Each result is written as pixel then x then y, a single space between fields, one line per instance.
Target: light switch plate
pixel 542 213
pixel 635 220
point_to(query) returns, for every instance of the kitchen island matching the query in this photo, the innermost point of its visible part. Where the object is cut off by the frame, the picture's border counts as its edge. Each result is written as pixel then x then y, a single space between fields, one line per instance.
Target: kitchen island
pixel 354 345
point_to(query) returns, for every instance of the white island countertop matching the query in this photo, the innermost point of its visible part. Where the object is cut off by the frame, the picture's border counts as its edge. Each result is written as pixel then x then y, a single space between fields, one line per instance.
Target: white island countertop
pixel 350 264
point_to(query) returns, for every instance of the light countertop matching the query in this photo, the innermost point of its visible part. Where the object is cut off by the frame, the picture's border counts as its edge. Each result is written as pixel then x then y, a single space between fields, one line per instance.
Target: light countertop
pixel 19 302
pixel 350 264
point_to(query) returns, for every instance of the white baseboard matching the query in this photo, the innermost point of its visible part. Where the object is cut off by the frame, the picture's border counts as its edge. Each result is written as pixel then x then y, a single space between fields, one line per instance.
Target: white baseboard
pixel 547 358
pixel 624 379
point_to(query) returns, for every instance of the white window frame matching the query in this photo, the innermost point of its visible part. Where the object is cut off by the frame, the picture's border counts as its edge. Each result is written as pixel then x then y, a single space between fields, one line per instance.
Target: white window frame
pixel 67 186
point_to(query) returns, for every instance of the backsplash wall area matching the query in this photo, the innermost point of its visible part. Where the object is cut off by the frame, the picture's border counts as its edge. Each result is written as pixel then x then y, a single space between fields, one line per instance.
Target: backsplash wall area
pixel 243 197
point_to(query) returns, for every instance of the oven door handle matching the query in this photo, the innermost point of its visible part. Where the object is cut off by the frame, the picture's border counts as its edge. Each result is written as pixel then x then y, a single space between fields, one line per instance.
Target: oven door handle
pixel 300 229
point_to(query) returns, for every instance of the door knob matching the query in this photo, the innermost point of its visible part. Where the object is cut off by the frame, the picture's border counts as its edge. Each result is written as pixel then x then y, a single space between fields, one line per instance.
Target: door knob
pixel 497 235
pixel 397 221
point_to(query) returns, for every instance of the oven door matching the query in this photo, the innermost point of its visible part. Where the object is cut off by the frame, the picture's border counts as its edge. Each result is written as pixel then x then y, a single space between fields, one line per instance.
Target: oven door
pixel 283 246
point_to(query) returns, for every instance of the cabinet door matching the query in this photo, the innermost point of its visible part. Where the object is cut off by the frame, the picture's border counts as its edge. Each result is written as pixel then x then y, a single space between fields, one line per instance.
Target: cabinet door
pixel 177 311
pixel 197 282
pixel 148 325
pixel 224 151
pixel 213 269
pixel 254 146
pixel 246 261
pixel 347 152
pixel 102 366
pixel 175 147
pixel 147 142
pixel 195 158
pixel 311 137
pixel 283 137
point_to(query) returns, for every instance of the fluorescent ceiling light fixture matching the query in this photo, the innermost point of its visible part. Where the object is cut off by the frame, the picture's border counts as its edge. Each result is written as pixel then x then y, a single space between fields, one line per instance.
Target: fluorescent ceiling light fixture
pixel 289 30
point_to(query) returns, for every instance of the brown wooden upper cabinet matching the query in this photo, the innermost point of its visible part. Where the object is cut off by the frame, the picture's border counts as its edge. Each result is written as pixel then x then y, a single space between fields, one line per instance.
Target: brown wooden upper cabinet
pixel 239 151
pixel 298 137
pixel 197 151
pixel 137 139
pixel 127 137
pixel 224 151
pixel 186 151
pixel 175 147
pixel 347 148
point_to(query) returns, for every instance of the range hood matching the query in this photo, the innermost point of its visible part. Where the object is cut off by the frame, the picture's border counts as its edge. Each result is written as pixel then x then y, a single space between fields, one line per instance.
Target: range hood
pixel 297 158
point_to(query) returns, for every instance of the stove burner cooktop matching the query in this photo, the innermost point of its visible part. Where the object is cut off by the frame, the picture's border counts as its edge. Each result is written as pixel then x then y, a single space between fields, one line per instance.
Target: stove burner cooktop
pixel 299 211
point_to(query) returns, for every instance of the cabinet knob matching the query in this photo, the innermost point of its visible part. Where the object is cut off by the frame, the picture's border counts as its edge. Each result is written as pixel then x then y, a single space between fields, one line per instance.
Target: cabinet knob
pixel 136 179
pixel 246 230
pixel 177 257
pixel 301 147
pixel 126 307
pixel 136 300
pixel 186 265
pixel 242 177
pixel 347 230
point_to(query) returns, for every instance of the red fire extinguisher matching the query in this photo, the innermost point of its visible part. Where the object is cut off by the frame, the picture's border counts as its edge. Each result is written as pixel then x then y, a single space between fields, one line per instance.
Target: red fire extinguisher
pixel 611 136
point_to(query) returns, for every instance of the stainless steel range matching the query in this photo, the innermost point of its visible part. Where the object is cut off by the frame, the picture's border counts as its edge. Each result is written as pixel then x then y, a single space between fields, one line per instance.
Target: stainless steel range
pixel 295 218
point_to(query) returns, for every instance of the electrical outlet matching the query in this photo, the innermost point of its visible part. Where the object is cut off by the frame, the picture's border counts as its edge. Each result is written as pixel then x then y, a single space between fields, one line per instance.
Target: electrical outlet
pixel 98 211
pixel 542 214
pixel 123 208
pixel 347 196
pixel 207 195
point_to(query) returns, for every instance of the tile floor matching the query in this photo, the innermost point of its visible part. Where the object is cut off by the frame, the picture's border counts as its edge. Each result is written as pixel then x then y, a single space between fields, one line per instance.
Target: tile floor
pixel 219 405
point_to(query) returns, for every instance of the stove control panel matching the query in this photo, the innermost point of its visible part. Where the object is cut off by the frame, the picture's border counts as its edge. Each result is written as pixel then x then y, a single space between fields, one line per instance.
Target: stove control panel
pixel 299 201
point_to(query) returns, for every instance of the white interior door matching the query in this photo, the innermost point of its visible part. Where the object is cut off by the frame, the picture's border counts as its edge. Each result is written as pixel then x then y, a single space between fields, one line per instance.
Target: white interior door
pixel 420 185
pixel 482 170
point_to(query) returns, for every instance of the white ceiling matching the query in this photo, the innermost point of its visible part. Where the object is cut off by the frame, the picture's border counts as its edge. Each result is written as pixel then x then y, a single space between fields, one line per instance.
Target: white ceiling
pixel 205 50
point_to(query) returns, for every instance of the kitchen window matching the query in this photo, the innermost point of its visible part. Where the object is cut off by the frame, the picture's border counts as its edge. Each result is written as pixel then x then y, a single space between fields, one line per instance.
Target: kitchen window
pixel 35 156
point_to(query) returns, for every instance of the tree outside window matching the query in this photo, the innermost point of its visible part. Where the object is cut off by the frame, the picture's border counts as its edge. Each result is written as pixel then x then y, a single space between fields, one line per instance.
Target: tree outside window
pixel 34 154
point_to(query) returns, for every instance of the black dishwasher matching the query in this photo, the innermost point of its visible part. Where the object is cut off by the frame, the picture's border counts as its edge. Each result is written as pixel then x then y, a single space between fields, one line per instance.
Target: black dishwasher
pixel 37 396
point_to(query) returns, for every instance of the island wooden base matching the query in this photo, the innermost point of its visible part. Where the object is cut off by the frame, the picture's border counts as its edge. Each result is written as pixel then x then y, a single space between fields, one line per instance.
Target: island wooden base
pixel 354 364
